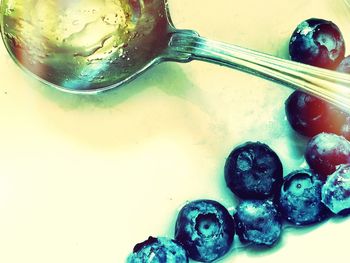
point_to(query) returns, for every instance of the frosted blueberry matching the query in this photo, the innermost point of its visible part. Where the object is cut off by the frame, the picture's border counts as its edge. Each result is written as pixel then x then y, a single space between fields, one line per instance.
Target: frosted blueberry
pixel 158 250
pixel 258 221
pixel 300 198
pixel 336 190
pixel 253 171
pixel 205 229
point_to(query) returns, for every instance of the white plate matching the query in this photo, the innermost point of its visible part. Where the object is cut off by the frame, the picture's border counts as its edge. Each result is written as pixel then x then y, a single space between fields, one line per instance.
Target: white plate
pixel 84 178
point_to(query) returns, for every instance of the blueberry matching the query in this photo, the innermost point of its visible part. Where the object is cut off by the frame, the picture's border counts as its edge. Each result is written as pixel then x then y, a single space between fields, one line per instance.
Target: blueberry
pixel 158 250
pixel 317 42
pixel 336 190
pixel 258 221
pixel 325 151
pixel 300 198
pixel 253 171
pixel 205 229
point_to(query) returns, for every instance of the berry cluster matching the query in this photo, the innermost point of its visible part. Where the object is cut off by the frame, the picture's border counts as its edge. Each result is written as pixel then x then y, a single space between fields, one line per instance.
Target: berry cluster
pixel 320 43
pixel 205 229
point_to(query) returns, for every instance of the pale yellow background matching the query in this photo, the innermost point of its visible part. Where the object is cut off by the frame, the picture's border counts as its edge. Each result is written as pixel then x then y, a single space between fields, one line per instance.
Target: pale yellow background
pixel 84 178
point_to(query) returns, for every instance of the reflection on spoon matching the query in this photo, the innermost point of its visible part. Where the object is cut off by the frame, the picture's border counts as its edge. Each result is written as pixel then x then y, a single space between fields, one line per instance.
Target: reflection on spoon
pixel 84 45
pixel 88 46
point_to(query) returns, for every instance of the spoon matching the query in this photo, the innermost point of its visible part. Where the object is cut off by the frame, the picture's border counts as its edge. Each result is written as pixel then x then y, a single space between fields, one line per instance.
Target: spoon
pixel 89 46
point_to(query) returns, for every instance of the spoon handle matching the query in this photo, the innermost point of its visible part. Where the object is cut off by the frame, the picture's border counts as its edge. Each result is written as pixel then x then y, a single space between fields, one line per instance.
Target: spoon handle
pixel 331 86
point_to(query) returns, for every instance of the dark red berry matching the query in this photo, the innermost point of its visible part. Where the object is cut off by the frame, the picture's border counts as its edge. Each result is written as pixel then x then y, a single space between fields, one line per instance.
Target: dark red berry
pixel 326 151
pixel 317 42
pixel 307 114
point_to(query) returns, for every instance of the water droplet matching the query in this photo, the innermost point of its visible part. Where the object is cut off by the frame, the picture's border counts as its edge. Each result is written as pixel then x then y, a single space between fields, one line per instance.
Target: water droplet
pixel 121 52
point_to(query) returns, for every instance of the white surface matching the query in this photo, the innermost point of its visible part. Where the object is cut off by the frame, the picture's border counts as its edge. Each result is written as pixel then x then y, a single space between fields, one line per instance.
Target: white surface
pixel 84 178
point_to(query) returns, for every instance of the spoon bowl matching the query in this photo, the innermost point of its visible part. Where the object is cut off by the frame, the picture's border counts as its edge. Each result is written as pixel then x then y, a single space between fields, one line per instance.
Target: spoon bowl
pixel 90 46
